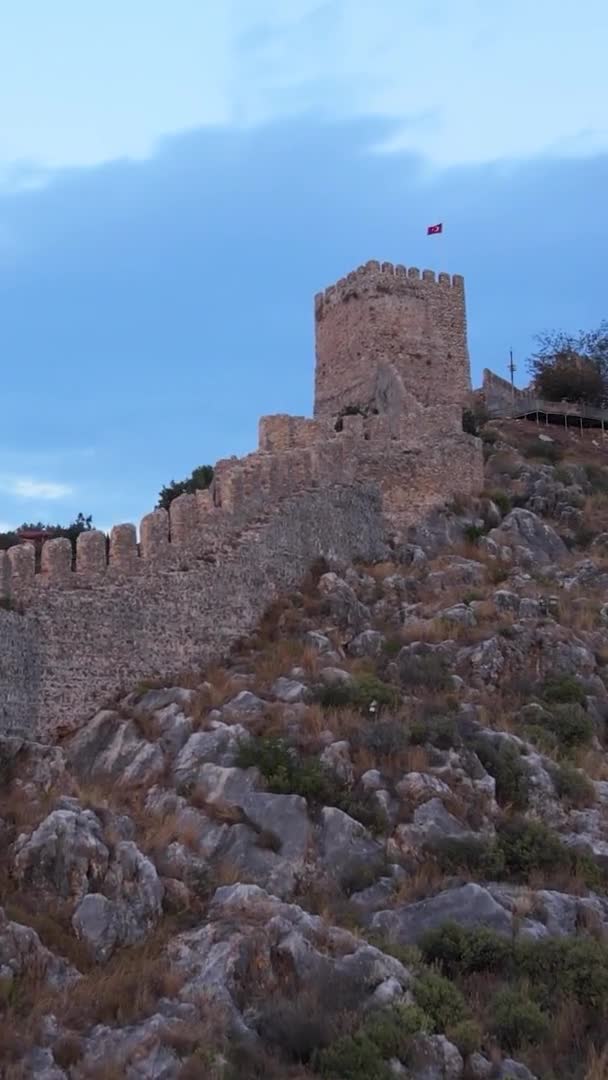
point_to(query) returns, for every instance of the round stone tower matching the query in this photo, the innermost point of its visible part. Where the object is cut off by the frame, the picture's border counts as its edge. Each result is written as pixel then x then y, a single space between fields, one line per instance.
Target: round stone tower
pixel 384 315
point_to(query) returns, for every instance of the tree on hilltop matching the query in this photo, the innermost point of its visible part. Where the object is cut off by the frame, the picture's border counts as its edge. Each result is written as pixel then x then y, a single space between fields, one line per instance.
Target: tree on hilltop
pixel 572 367
pixel 199 479
pixel 71 532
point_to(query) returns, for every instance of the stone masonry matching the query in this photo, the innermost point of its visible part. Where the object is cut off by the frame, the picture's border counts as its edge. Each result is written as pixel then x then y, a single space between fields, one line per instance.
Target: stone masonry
pixel 386 445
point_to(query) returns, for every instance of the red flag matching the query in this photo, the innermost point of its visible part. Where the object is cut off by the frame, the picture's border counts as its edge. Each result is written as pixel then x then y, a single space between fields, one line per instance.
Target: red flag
pixel 432 229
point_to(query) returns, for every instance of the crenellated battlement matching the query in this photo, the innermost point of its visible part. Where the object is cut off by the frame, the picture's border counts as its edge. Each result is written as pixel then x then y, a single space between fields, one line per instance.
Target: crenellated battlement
pixel 374 277
pixel 385 446
pixel 388 315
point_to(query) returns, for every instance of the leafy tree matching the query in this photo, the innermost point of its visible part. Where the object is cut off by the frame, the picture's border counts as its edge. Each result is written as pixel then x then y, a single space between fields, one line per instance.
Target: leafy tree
pixel 572 367
pixel 199 479
pixel 51 532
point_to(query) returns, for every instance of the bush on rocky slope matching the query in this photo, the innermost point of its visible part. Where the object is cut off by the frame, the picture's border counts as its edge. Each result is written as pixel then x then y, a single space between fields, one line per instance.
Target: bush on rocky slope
pixel 373 842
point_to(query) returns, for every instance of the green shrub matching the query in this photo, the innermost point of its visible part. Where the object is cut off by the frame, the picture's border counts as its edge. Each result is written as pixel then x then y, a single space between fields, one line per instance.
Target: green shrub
pixel 385 1034
pixel 364 690
pixel 573 786
pixel 504 763
pixel 283 769
pixel 473 532
pixel 424 670
pixel 477 857
pixel 597 477
pixel 571 725
pixel 288 773
pixel 461 952
pixel 489 436
pixel 568 967
pixel 517 1020
pixel 563 690
pixel 369 688
pixel 541 737
pixel 441 1000
pixel 383 738
pixel 439 731
pixel 471 595
pixel 391 1030
pixel 544 451
pixel 555 969
pixel 335 697
pixel 501 500
pixel 353 1057
pixel 392 646
pixel 466 1035
pixel 528 846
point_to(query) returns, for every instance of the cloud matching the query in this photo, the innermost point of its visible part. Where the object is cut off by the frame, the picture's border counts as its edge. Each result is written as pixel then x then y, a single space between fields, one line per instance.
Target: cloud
pixel 25 487
pixel 6 527
pixel 489 77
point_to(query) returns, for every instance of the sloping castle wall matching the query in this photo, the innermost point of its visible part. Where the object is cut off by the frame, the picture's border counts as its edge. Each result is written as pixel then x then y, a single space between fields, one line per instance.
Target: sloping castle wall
pixel 386 445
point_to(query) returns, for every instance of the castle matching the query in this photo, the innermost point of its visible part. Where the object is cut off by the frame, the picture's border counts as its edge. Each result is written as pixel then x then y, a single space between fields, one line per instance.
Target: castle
pixel 384 447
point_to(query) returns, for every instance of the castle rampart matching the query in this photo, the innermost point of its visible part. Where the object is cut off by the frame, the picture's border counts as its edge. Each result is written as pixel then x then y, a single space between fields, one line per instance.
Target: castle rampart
pixel 386 446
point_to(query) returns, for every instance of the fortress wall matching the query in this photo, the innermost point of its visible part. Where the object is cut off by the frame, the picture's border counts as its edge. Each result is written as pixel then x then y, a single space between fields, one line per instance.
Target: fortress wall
pixel 203 573
pixel 74 648
pixel 497 392
pixel 20 673
pixel 282 432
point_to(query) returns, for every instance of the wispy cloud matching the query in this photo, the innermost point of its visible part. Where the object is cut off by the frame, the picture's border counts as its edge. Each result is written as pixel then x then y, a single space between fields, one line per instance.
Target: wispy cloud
pixel 487 74
pixel 26 487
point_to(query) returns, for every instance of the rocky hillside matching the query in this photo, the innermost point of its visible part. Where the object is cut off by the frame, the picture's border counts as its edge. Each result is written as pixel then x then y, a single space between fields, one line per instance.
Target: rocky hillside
pixel 372 844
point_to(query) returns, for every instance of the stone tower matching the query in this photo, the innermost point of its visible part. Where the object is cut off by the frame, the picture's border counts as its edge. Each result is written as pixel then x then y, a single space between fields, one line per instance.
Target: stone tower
pixel 387 320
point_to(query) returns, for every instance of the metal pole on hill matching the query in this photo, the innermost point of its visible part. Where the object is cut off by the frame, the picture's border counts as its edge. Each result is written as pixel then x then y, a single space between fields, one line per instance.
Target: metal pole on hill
pixel 512 370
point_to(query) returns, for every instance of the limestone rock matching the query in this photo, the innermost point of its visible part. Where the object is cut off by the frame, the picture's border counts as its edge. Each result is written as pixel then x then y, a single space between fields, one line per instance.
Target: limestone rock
pixel 289 690
pixel 343 603
pixel 218 745
pixel 129 907
pixel 21 951
pixel 469 905
pixel 347 849
pixel 433 1057
pixel 66 854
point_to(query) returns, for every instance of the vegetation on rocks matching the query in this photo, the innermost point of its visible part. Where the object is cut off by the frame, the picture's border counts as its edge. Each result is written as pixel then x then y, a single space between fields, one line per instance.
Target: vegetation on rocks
pixel 373 842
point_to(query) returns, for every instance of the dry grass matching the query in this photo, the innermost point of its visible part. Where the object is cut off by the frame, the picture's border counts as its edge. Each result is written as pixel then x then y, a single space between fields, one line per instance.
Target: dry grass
pixel 157 832
pixel 278 659
pixel 426 880
pixel 595 512
pixel 124 990
pixel 579 611
pixel 597 1064
pixel 594 763
pixel 382 570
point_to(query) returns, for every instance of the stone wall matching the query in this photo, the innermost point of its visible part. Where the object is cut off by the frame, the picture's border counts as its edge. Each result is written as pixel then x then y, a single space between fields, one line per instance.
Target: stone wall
pixel 85 635
pixel 497 393
pixel 201 575
pixel 382 313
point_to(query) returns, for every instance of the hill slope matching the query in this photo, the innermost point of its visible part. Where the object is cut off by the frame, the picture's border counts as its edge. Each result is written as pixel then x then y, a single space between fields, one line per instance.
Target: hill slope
pixel 374 843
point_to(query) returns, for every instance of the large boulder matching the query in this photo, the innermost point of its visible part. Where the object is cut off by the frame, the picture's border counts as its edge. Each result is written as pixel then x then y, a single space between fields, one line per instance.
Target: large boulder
pixel 127 909
pixel 22 952
pixel 219 745
pixel 66 854
pixel 469 905
pixel 347 850
pixel 531 539
pixel 111 748
pixel 343 603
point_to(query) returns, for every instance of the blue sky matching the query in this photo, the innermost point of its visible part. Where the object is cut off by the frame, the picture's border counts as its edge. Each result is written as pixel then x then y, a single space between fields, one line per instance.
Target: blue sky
pixel 178 180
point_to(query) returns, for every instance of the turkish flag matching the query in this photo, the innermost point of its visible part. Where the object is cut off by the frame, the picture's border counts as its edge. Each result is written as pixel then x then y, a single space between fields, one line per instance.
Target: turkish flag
pixel 432 229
